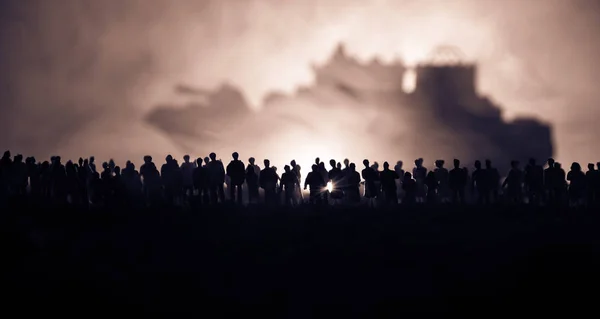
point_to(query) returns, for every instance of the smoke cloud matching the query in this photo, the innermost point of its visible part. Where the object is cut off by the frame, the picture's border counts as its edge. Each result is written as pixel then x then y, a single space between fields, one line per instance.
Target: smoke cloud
pixel 79 76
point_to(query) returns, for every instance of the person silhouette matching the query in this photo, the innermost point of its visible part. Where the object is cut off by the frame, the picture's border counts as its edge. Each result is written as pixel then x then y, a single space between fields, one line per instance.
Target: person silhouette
pixel 315 181
pixel 353 183
pixel 289 183
pixel 252 181
pixel 152 181
pixel 513 183
pixel 419 174
pixel 187 171
pixel 72 183
pixel 236 172
pixel 325 175
pixel 369 177
pixel 58 178
pixel 480 183
pixel 388 184
pixel 377 181
pixel 400 171
pixel 457 180
pixel 19 176
pixel 432 188
pixel 534 181
pixel 296 169
pixel 410 189
pixel 216 179
pixel 92 164
pixel 344 182
pixel 335 176
pixel 133 184
pixel 561 182
pixel 577 184
pixel 268 182
pixel 494 180
pixel 34 175
pixel 550 181
pixel 442 175
pixel 201 183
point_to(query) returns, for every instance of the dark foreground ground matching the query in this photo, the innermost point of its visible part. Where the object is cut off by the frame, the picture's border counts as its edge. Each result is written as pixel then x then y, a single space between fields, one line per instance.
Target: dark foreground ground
pixel 301 263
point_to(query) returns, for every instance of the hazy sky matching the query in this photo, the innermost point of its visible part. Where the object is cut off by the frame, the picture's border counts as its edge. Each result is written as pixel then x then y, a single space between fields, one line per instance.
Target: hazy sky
pixel 67 63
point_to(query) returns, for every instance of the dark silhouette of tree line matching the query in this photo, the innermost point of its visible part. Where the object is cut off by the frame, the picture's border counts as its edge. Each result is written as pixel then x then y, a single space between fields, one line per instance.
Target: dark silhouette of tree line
pixel 202 182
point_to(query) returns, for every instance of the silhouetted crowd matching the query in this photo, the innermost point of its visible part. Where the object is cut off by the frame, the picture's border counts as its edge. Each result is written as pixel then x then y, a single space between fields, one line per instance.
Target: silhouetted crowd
pixel 205 181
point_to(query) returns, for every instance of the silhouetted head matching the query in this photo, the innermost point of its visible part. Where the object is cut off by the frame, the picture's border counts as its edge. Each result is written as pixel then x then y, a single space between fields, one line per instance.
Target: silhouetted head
pixel 419 162
pixel 352 167
pixel 235 155
pixel 532 161
pixel 92 159
pixel 339 165
pixel 317 161
pixel 80 161
pixel 111 163
pixel 550 162
pixel 251 160
pixel 366 163
pixel 286 168
pixel 332 163
pixel 399 164
pixel 575 167
pixel 514 164
pixel 591 167
pixel 117 170
pixel 386 165
pixel 57 159
pixel 407 175
pixel 557 165
pixel 18 158
pixel 375 166
pixel 293 163
pixel 322 165
pixel 477 164
pixel 439 163
pixel 85 162
pixel 213 156
pixel 346 162
pixel 275 169
pixel 105 165
pixel 206 160
pixel 186 158
pixel 298 167
pixel 6 154
pixel 147 159
pixel 267 163
pixel 456 163
pixel 199 161
pixel 488 163
pixel 169 158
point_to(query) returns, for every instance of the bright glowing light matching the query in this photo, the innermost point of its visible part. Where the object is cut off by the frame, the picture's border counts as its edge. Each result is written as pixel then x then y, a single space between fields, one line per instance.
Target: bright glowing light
pixel 409 80
pixel 330 186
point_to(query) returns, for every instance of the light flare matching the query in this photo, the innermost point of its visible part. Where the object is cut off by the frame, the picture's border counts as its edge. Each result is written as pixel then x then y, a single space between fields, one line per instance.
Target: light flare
pixel 329 187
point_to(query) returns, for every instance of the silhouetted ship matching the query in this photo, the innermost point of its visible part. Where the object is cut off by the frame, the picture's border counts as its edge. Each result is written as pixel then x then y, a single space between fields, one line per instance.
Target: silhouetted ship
pixel 364 110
